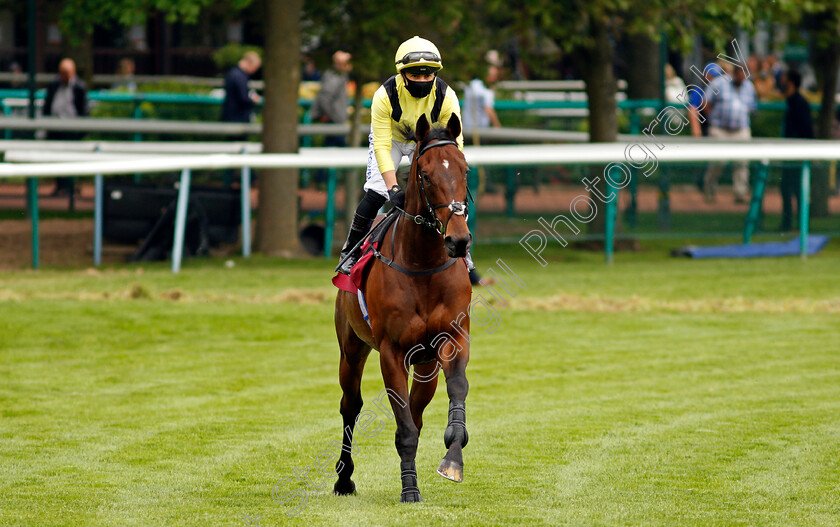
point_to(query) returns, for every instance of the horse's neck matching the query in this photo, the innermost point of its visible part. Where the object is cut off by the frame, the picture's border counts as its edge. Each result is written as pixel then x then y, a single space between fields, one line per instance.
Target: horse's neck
pixel 417 246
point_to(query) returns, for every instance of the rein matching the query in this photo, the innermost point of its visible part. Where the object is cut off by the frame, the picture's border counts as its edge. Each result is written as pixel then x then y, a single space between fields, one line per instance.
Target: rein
pixel 391 263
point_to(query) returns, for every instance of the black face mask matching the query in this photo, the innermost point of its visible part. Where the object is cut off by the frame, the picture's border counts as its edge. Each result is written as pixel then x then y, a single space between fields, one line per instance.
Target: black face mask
pixel 418 89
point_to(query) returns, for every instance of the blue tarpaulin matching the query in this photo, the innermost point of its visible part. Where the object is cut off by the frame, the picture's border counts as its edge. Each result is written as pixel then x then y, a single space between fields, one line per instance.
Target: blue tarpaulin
pixel 753 250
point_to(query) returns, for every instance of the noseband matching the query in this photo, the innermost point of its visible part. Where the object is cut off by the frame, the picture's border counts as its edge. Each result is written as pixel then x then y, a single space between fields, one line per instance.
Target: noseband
pixel 456 208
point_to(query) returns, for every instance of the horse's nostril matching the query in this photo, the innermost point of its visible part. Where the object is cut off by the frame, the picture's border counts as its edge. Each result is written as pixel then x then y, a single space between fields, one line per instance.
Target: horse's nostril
pixel 459 246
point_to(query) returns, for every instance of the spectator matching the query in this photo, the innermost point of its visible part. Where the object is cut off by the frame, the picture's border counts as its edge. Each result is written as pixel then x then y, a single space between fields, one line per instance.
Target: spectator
pixel 309 72
pixel 798 124
pixel 753 64
pixel 479 102
pixel 674 86
pixel 332 101
pixel 479 112
pixel 239 103
pixel 777 71
pixel 765 83
pixel 835 129
pixel 493 58
pixel 729 103
pixel 66 98
pixel 125 71
pixel 18 80
pixel 695 99
pixel 698 122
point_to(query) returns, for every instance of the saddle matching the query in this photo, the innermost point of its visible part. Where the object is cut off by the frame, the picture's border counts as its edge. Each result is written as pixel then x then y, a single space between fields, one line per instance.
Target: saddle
pixel 354 281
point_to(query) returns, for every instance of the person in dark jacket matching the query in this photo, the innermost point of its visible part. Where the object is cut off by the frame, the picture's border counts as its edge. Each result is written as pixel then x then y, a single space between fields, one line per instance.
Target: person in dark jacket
pixel 798 124
pixel 239 102
pixel 66 98
pixel 331 103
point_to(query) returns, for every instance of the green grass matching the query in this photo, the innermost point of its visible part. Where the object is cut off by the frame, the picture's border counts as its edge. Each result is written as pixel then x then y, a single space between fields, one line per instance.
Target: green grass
pixel 656 391
pixel 492 226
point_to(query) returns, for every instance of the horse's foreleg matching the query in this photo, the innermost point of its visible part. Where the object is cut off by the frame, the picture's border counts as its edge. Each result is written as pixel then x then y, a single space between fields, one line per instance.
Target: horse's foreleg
pixel 423 386
pixel 396 382
pixel 455 437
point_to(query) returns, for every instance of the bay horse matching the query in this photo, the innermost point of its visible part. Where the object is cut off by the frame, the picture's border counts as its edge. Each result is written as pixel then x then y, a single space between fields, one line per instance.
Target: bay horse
pixel 414 295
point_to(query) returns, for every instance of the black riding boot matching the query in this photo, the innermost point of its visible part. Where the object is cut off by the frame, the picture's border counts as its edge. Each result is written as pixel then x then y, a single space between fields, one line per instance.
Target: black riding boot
pixel 358 230
pixel 363 219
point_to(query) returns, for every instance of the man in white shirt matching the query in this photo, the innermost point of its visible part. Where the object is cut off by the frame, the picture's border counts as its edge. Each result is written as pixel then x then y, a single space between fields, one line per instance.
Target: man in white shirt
pixel 66 98
pixel 479 100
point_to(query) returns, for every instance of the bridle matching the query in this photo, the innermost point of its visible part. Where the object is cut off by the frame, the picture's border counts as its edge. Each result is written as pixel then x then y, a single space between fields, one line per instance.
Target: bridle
pixel 456 208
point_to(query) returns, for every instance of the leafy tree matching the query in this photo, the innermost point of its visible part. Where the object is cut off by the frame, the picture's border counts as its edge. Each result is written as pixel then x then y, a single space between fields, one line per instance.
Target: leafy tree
pixel 588 31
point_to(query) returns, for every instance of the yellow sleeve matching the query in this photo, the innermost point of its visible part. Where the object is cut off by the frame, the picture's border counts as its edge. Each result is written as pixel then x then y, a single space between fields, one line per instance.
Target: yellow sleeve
pixel 451 106
pixel 380 119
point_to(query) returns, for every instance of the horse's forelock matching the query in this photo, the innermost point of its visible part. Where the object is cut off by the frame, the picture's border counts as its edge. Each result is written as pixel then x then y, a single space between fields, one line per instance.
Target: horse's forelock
pixel 439 133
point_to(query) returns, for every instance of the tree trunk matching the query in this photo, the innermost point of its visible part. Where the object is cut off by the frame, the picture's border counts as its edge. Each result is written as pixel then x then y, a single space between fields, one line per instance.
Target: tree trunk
pixel 277 213
pixel 596 66
pixel 352 186
pixel 826 63
pixel 643 68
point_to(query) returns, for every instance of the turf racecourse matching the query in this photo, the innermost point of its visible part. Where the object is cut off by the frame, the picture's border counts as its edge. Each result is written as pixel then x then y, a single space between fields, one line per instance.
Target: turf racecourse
pixel 652 392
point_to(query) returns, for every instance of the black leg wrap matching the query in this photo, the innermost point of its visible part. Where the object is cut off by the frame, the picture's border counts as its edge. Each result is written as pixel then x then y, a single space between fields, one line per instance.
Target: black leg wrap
pixel 457 427
pixel 408 475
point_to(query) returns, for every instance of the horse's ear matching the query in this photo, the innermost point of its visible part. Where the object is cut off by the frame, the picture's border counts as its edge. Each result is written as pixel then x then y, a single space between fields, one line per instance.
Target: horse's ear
pixel 422 128
pixel 454 126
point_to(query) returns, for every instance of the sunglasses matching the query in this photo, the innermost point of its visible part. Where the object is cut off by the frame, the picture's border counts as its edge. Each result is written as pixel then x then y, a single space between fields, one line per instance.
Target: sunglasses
pixel 417 56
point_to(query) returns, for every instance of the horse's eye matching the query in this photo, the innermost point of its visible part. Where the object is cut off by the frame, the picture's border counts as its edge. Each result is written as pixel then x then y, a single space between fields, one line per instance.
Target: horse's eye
pixel 425 176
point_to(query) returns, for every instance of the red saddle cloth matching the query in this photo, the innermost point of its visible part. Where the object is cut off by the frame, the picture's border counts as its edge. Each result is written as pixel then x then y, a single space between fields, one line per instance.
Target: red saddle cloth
pixel 353 283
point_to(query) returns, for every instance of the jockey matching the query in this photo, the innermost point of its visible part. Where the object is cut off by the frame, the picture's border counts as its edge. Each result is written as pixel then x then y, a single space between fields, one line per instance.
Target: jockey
pixel 396 107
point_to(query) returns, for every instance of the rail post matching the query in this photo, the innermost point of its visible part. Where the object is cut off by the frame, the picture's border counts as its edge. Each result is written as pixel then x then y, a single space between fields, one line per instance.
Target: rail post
pixel 804 208
pixel 329 213
pixel 245 200
pixel 32 200
pixel 181 220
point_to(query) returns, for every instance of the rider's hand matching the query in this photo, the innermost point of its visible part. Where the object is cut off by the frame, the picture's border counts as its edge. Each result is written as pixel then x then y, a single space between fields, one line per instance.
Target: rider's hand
pixel 396 195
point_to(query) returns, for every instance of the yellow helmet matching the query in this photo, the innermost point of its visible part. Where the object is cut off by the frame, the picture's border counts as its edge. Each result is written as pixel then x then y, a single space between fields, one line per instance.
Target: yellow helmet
pixel 418 52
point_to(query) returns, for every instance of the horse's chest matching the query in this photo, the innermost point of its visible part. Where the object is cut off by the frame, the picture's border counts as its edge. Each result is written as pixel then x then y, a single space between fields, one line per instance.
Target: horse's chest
pixel 422 316
pixel 417 319
pixel 425 326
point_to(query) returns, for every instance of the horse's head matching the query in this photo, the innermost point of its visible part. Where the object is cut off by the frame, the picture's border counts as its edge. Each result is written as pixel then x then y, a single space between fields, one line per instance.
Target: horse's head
pixel 437 187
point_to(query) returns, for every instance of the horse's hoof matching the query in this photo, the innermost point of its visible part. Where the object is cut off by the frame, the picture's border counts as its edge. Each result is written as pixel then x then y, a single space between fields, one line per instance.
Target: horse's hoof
pixel 451 470
pixel 411 497
pixel 344 488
